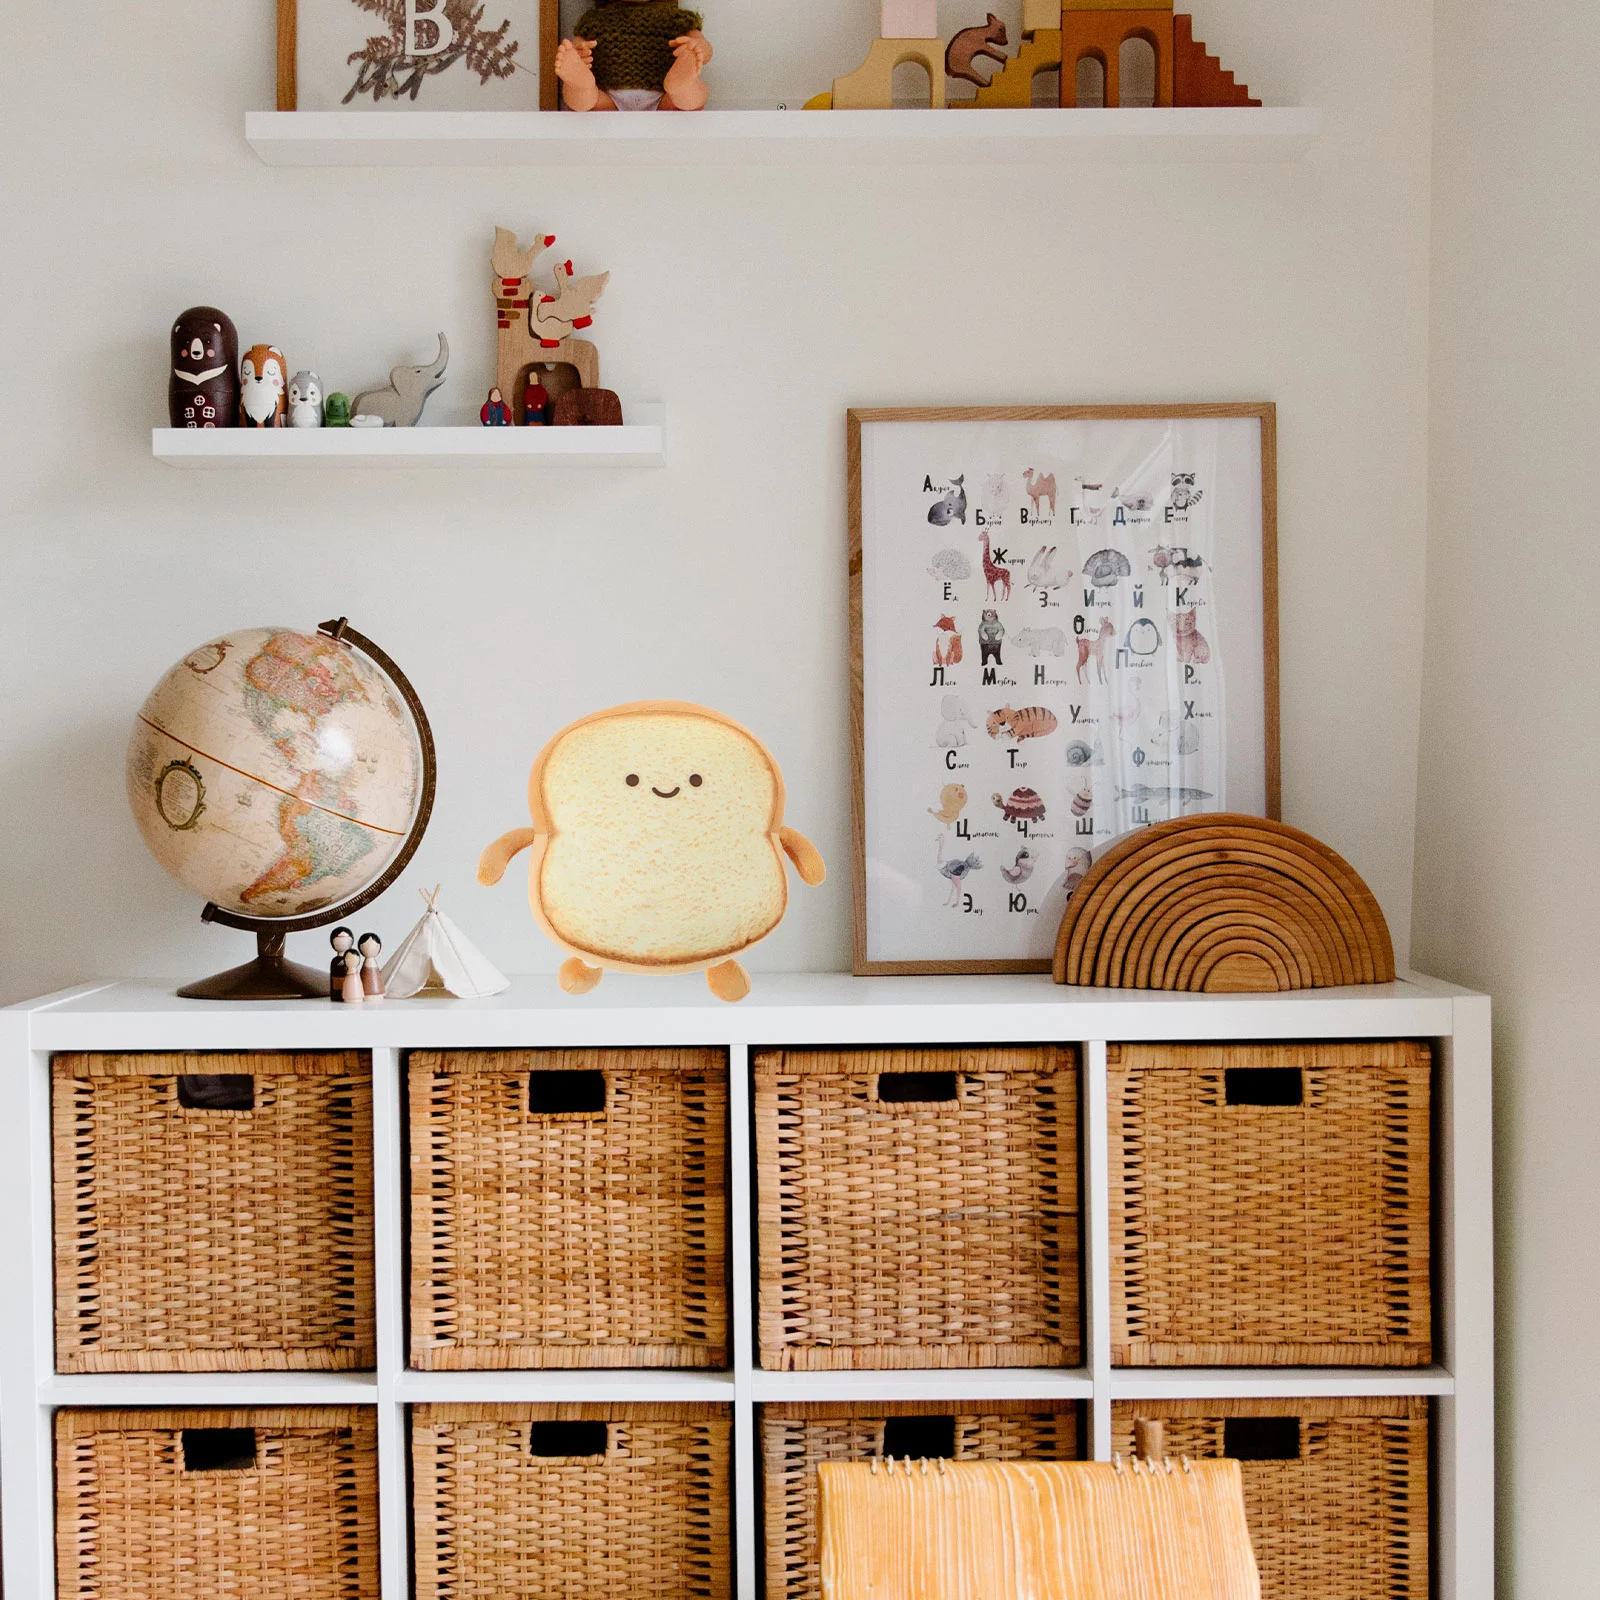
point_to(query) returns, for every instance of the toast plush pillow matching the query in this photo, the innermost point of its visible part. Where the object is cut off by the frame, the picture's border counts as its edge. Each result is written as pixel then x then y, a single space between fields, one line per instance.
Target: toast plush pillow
pixel 658 845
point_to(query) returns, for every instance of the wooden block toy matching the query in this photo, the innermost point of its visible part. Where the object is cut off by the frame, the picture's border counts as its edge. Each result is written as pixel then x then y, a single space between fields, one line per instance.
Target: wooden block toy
pixel 909 19
pixel 871 86
pixel 1198 78
pixel 587 408
pixel 1040 14
pixel 1100 32
pixel 1012 85
pixel 562 362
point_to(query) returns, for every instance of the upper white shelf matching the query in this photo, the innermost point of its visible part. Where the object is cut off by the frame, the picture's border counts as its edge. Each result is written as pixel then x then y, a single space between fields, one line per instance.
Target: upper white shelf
pixel 528 138
pixel 641 442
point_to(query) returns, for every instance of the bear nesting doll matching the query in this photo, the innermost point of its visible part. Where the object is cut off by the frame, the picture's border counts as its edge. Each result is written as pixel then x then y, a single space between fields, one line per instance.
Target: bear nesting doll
pixel 658 845
pixel 264 380
pixel 203 385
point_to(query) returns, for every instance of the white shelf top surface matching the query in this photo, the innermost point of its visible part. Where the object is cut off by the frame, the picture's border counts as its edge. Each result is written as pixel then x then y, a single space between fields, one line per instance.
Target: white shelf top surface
pixel 751 137
pixel 783 1008
pixel 640 442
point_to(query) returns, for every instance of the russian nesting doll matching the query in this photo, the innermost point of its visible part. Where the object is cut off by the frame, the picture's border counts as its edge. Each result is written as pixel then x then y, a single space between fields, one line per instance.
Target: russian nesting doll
pixel 305 400
pixel 203 385
pixel 264 379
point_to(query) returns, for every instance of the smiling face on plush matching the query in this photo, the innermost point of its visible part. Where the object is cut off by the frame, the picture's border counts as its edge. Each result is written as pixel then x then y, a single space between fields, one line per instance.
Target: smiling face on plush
pixel 660 826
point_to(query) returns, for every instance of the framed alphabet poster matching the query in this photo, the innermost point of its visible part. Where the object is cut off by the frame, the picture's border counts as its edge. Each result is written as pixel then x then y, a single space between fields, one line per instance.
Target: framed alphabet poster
pixel 1064 627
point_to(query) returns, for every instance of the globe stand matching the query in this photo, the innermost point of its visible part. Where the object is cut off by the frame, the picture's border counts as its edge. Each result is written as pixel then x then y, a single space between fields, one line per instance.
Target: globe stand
pixel 271 976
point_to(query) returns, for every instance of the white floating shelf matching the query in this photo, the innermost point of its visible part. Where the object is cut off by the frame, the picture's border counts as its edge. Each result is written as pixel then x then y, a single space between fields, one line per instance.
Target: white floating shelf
pixel 641 442
pixel 744 138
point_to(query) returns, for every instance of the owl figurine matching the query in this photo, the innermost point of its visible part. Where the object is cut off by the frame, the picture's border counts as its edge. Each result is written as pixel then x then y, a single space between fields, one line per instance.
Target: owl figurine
pixel 203 385
pixel 263 379
pixel 305 400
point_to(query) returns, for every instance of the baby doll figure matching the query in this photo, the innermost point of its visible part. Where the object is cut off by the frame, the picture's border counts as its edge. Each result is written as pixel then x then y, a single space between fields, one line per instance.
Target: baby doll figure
pixel 634 55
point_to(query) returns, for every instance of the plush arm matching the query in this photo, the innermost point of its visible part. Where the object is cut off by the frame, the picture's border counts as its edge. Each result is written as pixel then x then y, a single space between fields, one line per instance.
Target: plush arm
pixel 805 855
pixel 497 857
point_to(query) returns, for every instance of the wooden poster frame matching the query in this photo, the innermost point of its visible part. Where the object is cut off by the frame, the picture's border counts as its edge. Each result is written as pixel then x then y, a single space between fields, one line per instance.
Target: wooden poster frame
pixel 288 88
pixel 1264 411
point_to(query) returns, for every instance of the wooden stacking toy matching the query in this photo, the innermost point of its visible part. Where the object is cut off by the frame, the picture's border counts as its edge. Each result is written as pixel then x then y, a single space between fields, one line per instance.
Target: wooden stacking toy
pixel 1222 904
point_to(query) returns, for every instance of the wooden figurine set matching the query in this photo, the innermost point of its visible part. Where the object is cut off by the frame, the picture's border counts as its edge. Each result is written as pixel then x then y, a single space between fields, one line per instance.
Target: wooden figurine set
pixel 354 975
pixel 1057 35
pixel 211 386
pixel 543 374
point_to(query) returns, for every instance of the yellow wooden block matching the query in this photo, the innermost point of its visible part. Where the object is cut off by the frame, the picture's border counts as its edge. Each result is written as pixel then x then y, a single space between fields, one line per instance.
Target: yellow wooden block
pixel 1012 85
pixel 1037 14
pixel 1112 5
pixel 819 102
pixel 871 86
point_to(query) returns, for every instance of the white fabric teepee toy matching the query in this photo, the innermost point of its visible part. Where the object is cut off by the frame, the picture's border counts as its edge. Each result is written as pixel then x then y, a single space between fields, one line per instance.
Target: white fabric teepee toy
pixel 436 957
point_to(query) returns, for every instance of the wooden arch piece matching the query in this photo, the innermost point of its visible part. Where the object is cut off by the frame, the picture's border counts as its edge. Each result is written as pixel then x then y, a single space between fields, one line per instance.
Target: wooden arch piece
pixel 1222 904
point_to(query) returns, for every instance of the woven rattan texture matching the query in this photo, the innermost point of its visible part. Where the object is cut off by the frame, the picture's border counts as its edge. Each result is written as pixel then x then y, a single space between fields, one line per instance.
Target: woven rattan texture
pixel 133 1524
pixel 493 1521
pixel 191 1240
pixel 795 1438
pixel 933 1233
pixel 1257 1235
pixel 571 1239
pixel 1347 1520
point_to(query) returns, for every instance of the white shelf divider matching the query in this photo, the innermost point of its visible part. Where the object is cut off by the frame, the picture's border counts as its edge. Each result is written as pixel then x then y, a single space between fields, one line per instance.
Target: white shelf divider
pixel 789 137
pixel 640 442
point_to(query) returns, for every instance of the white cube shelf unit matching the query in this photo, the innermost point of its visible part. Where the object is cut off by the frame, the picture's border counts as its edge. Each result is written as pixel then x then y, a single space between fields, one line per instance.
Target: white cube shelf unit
pixel 802 1009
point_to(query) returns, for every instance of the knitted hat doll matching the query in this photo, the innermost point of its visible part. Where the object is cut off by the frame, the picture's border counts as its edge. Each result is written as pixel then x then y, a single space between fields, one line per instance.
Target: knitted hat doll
pixel 634 55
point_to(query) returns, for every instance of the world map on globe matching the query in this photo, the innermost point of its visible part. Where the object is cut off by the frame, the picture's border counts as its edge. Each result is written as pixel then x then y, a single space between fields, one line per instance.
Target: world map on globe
pixel 274 771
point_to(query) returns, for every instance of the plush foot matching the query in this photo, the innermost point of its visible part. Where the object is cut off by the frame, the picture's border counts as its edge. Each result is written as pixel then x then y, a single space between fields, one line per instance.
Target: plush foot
pixel 575 70
pixel 682 89
pixel 729 981
pixel 578 977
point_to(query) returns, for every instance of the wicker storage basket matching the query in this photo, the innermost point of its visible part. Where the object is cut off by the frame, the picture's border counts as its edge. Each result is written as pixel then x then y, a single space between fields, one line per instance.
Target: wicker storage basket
pixel 217 1505
pixel 567 1208
pixel 796 1437
pixel 1335 1491
pixel 579 1501
pixel 213 1213
pixel 1269 1204
pixel 918 1208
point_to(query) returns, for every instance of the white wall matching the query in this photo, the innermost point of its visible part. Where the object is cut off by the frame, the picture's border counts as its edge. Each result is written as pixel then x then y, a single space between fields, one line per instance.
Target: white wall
pixel 759 303
pixel 1507 850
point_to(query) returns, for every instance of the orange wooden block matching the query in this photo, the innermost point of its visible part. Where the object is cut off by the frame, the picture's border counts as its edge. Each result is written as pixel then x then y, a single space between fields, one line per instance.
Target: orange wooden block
pixel 1101 34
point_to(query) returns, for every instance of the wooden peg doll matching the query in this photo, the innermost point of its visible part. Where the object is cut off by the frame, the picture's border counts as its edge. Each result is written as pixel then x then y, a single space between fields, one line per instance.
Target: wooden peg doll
pixel 351 991
pixel 342 939
pixel 371 947
pixel 495 413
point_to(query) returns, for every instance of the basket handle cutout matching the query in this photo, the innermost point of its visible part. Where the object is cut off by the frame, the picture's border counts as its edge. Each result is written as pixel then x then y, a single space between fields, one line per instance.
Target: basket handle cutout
pixel 219 1449
pixel 1264 1086
pixel 566 1094
pixel 565 1441
pixel 925 1438
pixel 1261 1438
pixel 916 1088
pixel 217 1091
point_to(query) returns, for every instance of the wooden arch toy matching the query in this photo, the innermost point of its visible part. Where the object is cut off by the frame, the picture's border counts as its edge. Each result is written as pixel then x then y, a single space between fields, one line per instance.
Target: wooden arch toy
pixel 1222 904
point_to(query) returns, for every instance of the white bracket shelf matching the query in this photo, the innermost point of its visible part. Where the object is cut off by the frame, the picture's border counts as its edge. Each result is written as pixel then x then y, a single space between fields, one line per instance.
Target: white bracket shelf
pixel 641 442
pixel 749 138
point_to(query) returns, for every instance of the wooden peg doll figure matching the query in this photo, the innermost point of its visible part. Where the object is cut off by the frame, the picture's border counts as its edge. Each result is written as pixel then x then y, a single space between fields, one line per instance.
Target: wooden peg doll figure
pixel 342 940
pixel 371 947
pixel 535 403
pixel 495 413
pixel 350 989
pixel 634 55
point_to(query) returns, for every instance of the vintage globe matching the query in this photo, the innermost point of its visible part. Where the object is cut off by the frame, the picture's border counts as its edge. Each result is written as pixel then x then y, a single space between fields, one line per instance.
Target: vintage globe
pixel 275 772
